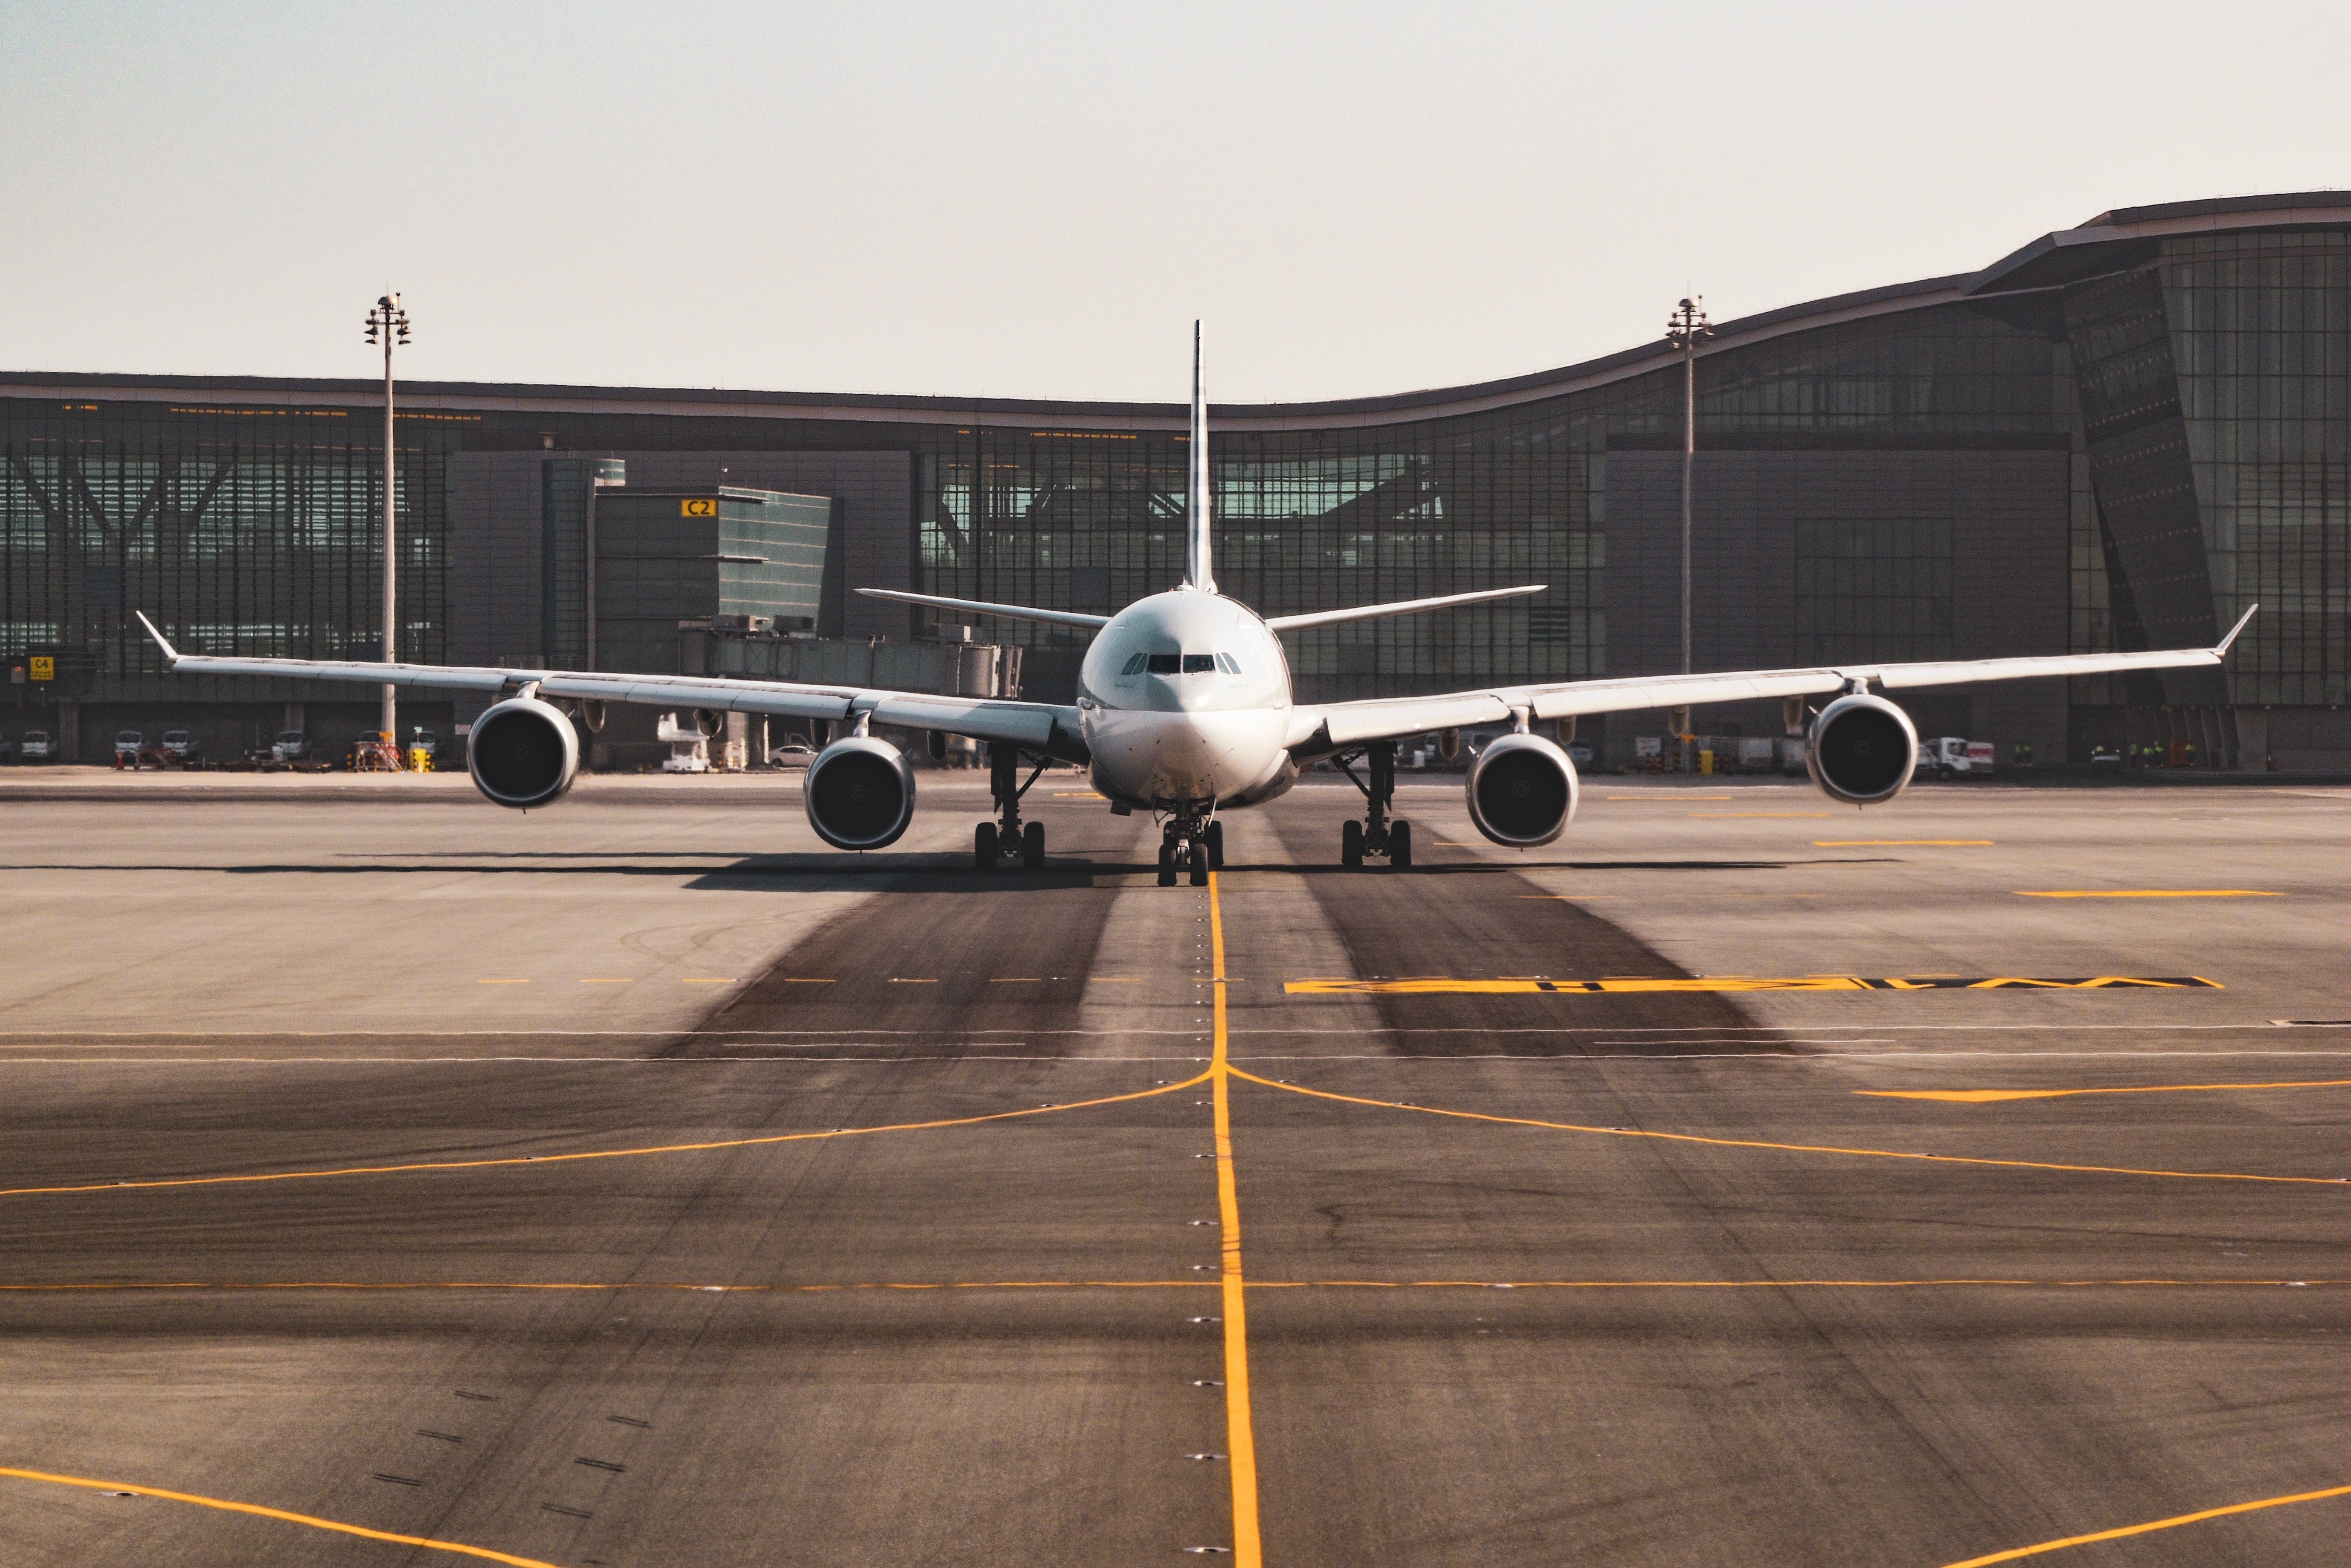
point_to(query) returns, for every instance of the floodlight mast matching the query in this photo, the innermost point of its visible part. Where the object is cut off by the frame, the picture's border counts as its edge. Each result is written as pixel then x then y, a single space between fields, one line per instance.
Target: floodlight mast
pixel 1686 328
pixel 387 324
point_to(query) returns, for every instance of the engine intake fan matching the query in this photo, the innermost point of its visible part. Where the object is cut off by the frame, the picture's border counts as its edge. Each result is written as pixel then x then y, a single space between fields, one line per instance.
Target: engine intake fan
pixel 1522 790
pixel 860 793
pixel 1862 749
pixel 523 753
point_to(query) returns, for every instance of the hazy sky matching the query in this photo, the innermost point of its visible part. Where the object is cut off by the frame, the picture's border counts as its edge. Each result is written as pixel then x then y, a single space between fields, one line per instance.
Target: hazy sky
pixel 1037 200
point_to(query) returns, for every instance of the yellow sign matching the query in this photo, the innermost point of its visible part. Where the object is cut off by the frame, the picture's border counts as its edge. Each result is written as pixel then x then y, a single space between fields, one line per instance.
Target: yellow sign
pixel 700 507
pixel 45 668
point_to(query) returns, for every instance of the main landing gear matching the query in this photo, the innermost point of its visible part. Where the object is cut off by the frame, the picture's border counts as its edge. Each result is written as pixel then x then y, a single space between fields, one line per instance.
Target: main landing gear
pixel 1376 834
pixel 1190 843
pixel 1007 838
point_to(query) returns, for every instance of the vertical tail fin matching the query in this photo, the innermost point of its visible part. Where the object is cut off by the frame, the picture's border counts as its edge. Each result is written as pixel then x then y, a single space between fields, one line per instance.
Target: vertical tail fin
pixel 1198 570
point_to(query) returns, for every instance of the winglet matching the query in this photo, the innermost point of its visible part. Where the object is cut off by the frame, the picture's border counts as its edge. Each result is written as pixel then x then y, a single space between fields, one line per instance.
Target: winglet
pixel 2240 626
pixel 172 654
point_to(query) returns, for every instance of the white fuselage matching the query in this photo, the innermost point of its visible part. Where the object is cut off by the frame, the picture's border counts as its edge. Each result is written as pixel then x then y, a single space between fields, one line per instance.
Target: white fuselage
pixel 1184 700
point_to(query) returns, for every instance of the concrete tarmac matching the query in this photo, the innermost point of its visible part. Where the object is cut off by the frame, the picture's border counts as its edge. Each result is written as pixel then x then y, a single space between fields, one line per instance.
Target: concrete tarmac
pixel 639 1182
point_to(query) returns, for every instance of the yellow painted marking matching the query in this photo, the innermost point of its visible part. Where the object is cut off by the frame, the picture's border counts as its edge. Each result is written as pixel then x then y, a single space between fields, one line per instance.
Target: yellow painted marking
pixel 1668 797
pixel 806 980
pixel 1240 1440
pixel 2160 893
pixel 1628 984
pixel 1190 1083
pixel 419 1286
pixel 1078 795
pixel 2174 1522
pixel 311 1520
pixel 521 982
pixel 1987 1097
pixel 1759 813
pixel 1791 1148
pixel 1897 843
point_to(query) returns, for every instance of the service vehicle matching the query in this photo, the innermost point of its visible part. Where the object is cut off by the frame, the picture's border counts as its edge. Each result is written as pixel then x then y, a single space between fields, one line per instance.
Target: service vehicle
pixel 35 747
pixel 1948 756
pixel 291 746
pixel 179 746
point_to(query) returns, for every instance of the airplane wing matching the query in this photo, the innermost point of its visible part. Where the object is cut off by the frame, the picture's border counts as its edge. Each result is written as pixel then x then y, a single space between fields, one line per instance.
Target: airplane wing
pixel 1317 731
pixel 1048 728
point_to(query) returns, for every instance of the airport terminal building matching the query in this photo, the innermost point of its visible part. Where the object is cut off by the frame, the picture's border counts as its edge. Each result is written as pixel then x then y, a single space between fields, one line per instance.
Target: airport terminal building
pixel 2117 436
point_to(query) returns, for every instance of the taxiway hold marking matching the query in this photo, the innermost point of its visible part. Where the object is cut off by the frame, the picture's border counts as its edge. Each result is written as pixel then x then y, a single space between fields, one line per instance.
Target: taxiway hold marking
pixel 1988 1096
pixel 2157 893
pixel 1794 1148
pixel 311 1521
pixel 604 1154
pixel 2174 1522
pixel 1623 984
pixel 1239 1434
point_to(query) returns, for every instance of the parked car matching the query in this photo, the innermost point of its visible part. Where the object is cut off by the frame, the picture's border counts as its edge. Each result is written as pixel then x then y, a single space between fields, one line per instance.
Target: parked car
pixel 179 746
pixel 792 754
pixel 35 747
pixel 291 746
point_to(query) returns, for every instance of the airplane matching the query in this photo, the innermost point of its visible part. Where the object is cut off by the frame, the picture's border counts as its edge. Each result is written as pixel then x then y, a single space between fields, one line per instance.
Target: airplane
pixel 1185 710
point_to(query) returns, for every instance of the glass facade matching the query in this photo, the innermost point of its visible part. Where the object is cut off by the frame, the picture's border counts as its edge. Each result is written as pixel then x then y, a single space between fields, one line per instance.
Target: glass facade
pixel 2118 444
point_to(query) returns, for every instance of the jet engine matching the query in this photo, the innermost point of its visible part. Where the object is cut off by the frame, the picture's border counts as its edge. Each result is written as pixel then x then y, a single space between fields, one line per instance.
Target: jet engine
pixel 860 793
pixel 523 753
pixel 1522 790
pixel 1862 749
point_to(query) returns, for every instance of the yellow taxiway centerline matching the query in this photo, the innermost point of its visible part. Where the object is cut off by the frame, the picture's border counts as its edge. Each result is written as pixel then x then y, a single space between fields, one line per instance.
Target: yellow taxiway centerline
pixel 1988 1096
pixel 2174 1522
pixel 2153 892
pixel 1193 1082
pixel 1792 1148
pixel 311 1521
pixel 1239 1435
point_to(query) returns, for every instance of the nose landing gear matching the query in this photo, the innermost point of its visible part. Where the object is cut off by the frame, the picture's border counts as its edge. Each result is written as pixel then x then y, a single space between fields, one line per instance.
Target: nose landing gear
pixel 1188 843
pixel 1007 838
pixel 1376 834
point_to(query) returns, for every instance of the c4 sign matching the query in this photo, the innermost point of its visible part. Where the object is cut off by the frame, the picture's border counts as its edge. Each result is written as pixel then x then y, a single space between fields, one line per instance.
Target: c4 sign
pixel 43 667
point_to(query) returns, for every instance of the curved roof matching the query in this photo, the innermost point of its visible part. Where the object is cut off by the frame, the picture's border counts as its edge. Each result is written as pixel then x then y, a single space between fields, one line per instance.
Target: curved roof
pixel 2110 242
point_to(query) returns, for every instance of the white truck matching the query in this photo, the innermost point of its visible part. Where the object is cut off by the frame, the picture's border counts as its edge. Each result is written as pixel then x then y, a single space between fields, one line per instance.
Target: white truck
pixel 1948 756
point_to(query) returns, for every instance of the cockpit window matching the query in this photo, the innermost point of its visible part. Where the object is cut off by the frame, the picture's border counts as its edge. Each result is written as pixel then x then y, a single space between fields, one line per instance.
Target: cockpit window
pixel 1135 665
pixel 1199 664
pixel 1165 664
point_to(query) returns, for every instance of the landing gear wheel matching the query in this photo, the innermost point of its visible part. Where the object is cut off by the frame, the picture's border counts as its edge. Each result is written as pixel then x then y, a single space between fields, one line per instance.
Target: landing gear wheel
pixel 983 847
pixel 1400 846
pixel 1215 838
pixel 1166 865
pixel 1032 846
pixel 1200 862
pixel 1351 845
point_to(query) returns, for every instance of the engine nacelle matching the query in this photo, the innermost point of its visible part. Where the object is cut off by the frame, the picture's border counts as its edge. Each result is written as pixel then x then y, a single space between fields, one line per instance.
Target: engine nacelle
pixel 1522 790
pixel 523 753
pixel 860 793
pixel 1861 750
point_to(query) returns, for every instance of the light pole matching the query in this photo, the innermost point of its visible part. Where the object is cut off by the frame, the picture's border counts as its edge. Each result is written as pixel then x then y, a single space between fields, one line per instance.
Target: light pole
pixel 1686 328
pixel 387 324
